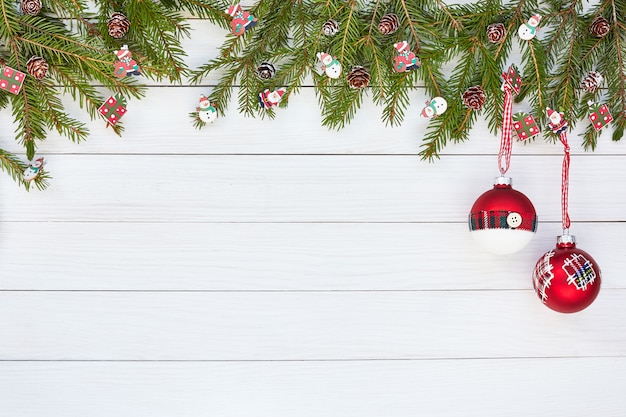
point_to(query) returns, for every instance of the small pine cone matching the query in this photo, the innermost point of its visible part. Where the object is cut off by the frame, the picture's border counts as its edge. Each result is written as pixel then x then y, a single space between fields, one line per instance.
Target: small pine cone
pixel 31 7
pixel 37 67
pixel 265 71
pixel 592 81
pixel 388 24
pixel 118 25
pixel 599 27
pixel 330 27
pixel 474 97
pixel 496 32
pixel 358 77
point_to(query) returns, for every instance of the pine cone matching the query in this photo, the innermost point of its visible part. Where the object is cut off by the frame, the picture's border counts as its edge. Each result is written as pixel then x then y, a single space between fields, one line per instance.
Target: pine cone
pixel 118 25
pixel 31 7
pixel 358 77
pixel 330 27
pixel 599 27
pixel 265 71
pixel 496 32
pixel 388 24
pixel 37 67
pixel 592 81
pixel 474 97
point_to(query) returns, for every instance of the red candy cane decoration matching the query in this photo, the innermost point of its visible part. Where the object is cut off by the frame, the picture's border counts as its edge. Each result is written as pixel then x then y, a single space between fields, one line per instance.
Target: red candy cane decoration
pixel 559 126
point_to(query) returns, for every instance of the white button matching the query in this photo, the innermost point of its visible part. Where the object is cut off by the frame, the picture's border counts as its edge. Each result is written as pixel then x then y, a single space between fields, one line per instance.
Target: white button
pixel 514 220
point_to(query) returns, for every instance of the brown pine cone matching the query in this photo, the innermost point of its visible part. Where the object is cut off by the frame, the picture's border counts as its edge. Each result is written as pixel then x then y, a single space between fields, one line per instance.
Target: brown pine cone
pixel 474 97
pixel 592 81
pixel 358 77
pixel 330 27
pixel 37 67
pixel 265 71
pixel 31 7
pixel 496 32
pixel 388 24
pixel 118 25
pixel 599 27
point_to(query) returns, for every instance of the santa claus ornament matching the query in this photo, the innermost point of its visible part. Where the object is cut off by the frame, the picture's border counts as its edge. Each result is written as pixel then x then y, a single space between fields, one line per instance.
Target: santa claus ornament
pixel 566 279
pixel 405 59
pixel 503 220
pixel 241 20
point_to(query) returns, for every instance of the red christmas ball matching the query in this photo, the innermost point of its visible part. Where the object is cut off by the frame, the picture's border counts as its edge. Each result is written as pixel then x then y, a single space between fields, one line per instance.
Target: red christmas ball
pixel 567 279
pixel 502 220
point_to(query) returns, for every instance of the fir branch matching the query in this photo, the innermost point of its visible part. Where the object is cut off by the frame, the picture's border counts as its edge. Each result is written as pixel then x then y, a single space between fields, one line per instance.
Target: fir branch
pixel 416 40
pixel 397 99
pixel 347 31
pixel 342 106
pixel 12 166
pixel 56 116
pixel 620 94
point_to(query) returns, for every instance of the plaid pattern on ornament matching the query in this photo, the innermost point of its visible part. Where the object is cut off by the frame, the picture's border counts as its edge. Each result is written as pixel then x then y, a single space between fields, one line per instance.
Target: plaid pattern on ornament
pixel 543 275
pixel 579 271
pixel 497 219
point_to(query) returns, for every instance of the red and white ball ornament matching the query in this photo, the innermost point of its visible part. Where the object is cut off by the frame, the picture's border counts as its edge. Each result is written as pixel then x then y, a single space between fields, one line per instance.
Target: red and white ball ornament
pixel 567 279
pixel 503 220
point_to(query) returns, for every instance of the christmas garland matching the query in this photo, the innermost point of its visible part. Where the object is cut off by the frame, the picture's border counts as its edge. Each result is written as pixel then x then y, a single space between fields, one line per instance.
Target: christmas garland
pixel 571 59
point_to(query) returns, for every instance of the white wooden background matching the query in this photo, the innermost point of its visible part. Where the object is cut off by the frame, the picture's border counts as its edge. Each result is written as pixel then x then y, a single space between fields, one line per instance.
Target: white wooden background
pixel 275 268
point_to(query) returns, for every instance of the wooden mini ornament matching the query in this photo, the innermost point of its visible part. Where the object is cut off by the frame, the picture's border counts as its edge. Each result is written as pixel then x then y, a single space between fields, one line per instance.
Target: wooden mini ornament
pixel 113 109
pixel 11 80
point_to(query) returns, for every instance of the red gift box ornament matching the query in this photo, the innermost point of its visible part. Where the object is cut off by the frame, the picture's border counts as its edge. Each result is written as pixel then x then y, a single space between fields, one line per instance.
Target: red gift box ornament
pixel 525 126
pixel 599 115
pixel 113 109
pixel 513 79
pixel 11 80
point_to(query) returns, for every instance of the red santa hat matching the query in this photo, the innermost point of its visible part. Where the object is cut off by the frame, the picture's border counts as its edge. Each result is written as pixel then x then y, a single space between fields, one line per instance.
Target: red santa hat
pixel 324 57
pixel 202 98
pixel 233 10
pixel 550 112
pixel 401 47
pixel 123 53
pixel 534 20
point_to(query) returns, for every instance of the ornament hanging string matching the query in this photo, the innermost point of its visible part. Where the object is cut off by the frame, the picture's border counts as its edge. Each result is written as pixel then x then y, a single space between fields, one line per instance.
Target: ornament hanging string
pixel 565 222
pixel 506 140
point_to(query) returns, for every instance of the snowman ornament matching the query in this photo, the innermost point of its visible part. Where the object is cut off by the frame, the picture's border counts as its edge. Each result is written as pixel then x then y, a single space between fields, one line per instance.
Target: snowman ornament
pixel 206 111
pixel 528 30
pixel 33 170
pixel 330 65
pixel 434 107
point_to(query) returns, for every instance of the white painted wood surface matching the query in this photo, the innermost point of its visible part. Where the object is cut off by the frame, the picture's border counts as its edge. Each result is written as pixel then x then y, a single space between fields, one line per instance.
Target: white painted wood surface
pixel 274 268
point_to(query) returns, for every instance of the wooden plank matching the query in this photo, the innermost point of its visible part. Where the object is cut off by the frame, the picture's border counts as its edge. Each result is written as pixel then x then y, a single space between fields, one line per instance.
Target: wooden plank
pixel 304 325
pixel 278 256
pixel 159 124
pixel 196 188
pixel 472 388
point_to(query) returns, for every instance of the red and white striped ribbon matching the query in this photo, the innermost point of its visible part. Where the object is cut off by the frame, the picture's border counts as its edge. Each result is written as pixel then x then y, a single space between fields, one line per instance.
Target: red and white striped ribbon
pixel 565 222
pixel 506 140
